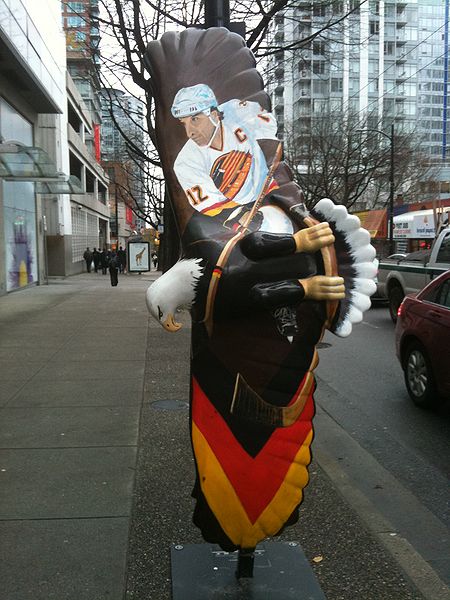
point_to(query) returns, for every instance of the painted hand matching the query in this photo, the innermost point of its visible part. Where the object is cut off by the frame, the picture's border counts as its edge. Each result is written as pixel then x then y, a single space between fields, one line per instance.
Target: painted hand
pixel 313 238
pixel 321 287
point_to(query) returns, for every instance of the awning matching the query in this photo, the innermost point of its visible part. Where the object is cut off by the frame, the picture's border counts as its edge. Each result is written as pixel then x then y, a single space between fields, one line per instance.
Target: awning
pixel 374 221
pixel 31 163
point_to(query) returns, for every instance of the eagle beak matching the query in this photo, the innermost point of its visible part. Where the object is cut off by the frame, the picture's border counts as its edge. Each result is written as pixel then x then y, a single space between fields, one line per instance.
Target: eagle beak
pixel 170 324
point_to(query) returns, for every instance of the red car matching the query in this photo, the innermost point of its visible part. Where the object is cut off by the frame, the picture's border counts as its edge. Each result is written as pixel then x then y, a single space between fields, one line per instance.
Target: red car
pixel 422 338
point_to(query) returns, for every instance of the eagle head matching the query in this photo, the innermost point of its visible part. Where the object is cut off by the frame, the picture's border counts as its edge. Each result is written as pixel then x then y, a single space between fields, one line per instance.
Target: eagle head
pixel 174 291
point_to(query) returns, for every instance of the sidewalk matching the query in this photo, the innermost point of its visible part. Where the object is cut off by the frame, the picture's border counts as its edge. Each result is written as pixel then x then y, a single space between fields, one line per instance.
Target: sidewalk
pixel 95 460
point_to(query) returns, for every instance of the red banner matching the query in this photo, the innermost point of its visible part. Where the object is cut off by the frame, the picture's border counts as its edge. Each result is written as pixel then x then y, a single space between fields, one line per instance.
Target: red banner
pixel 97 142
pixel 129 215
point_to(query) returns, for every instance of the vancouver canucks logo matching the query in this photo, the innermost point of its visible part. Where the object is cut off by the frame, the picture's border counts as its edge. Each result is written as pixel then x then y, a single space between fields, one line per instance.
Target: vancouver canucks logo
pixel 229 172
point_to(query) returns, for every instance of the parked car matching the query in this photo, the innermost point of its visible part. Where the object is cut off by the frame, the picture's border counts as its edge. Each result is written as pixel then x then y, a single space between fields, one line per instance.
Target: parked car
pixel 422 337
pixel 397 278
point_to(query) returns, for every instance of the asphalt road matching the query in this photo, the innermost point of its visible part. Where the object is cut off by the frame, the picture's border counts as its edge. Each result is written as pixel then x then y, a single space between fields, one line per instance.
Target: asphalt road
pixel 390 459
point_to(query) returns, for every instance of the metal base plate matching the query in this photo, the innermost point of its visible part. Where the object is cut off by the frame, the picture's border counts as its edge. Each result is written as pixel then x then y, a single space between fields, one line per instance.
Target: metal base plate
pixel 205 572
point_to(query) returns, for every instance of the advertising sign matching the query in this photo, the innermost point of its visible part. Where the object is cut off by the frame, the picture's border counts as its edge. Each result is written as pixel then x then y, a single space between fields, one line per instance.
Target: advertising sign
pixel 410 226
pixel 138 257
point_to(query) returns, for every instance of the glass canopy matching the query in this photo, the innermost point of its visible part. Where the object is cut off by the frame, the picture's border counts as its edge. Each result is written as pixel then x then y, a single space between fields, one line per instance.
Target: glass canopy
pixel 30 163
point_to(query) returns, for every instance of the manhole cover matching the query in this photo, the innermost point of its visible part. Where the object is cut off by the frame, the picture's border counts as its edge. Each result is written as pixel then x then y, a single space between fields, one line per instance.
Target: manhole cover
pixel 323 345
pixel 170 405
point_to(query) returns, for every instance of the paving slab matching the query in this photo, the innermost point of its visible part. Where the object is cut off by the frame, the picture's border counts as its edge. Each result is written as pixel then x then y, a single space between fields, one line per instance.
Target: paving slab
pixel 67 559
pixel 26 427
pixel 8 389
pixel 73 369
pixel 66 483
pixel 120 390
pixel 13 370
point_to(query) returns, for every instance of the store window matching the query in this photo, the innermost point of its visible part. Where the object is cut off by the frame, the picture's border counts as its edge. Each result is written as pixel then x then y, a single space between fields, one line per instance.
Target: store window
pixel 19 208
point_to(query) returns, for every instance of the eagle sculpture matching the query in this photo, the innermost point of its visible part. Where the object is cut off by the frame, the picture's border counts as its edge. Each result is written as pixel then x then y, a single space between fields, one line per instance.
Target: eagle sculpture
pixel 262 277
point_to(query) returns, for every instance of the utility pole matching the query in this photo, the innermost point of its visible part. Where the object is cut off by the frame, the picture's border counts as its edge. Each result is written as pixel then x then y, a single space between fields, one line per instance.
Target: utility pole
pixel 217 13
pixel 390 137
pixel 391 193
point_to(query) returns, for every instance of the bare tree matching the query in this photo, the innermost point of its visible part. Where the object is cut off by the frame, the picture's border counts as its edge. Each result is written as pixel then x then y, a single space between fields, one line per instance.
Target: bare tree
pixel 127 27
pixel 340 157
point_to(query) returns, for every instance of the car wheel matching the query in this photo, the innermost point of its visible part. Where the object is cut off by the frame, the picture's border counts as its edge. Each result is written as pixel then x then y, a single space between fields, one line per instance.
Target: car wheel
pixel 395 297
pixel 419 376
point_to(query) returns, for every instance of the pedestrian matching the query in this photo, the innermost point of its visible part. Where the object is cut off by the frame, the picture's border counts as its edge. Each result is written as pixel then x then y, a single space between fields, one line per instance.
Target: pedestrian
pixel 88 258
pixel 113 261
pixel 103 261
pixel 122 255
pixel 96 258
pixel 155 259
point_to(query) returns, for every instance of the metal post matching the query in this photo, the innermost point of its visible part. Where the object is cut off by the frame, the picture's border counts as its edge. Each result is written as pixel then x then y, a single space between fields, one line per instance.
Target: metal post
pixel 117 224
pixel 217 13
pixel 444 112
pixel 391 183
pixel 246 560
pixel 391 194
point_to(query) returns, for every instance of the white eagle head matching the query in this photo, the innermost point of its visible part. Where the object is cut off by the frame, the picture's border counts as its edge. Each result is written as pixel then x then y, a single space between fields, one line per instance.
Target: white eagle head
pixel 174 291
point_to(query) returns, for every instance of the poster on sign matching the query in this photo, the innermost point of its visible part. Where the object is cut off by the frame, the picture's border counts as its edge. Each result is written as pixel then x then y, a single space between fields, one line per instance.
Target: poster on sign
pixel 138 257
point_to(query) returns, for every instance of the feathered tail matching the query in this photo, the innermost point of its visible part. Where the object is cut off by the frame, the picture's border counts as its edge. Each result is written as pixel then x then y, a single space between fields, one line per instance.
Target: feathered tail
pixel 356 263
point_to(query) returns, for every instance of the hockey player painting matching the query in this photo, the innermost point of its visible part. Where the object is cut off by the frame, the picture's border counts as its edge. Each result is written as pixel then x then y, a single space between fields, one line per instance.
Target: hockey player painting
pixel 221 166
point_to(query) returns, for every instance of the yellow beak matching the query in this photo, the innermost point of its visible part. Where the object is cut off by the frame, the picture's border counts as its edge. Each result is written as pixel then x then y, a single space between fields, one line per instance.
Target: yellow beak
pixel 170 324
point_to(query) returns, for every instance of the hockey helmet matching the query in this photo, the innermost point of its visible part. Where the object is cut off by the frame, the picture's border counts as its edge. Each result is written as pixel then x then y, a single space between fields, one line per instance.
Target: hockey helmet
pixel 192 100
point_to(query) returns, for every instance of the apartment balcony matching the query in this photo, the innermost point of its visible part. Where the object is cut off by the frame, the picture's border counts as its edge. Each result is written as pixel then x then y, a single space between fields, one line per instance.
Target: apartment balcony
pixel 400 41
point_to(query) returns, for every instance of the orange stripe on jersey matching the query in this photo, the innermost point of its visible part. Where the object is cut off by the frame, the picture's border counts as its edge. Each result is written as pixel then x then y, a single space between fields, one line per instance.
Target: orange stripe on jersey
pixel 237 164
pixel 218 208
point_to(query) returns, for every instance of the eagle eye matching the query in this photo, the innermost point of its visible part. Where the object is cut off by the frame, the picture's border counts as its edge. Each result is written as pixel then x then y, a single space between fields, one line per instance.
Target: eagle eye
pixel 160 313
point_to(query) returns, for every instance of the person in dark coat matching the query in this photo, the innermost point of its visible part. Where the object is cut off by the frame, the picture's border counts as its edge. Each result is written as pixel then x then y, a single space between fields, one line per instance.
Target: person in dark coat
pixel 122 255
pixel 113 267
pixel 88 258
pixel 103 261
pixel 96 258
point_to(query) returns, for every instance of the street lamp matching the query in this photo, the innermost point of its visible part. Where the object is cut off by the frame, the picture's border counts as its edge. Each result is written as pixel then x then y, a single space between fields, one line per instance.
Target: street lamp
pixel 390 137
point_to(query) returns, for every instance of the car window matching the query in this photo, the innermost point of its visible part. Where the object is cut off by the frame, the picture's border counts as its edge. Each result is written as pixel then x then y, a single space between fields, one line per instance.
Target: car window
pixel 444 250
pixel 443 294
pixel 419 256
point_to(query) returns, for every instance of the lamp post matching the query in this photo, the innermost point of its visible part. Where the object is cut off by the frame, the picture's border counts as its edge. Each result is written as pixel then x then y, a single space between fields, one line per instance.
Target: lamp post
pixel 390 137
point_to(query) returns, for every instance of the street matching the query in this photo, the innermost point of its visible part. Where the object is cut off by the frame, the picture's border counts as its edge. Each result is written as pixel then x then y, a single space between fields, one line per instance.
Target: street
pixel 394 454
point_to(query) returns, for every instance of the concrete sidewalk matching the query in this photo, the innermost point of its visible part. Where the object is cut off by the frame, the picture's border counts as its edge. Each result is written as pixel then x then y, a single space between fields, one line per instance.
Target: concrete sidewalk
pixel 95 462
pixel 72 363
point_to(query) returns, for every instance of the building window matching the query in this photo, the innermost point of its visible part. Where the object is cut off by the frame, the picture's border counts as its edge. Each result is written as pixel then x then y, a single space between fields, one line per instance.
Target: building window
pixel 74 21
pixel 76 7
pixel 84 232
pixel 319 67
pixel 374 27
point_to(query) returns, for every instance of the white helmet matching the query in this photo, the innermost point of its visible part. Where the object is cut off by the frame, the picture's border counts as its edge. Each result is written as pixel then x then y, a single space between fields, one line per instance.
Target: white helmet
pixel 192 100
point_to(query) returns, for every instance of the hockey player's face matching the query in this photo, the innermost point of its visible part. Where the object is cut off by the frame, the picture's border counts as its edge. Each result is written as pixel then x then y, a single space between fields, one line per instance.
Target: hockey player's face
pixel 199 127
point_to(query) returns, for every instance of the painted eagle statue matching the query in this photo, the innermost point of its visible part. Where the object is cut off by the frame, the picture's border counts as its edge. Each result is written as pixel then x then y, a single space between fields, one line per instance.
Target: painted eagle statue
pixel 262 276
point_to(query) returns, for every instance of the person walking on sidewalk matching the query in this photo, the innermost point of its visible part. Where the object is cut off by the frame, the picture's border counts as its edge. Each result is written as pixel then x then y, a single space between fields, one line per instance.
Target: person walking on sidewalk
pixel 96 258
pixel 103 261
pixel 122 255
pixel 88 258
pixel 113 268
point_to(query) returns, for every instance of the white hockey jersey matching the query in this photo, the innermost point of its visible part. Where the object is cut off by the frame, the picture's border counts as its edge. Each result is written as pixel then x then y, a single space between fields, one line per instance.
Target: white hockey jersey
pixel 214 179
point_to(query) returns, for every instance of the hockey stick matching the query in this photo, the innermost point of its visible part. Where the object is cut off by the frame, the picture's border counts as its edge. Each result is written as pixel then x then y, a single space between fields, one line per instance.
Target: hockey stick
pixel 242 230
